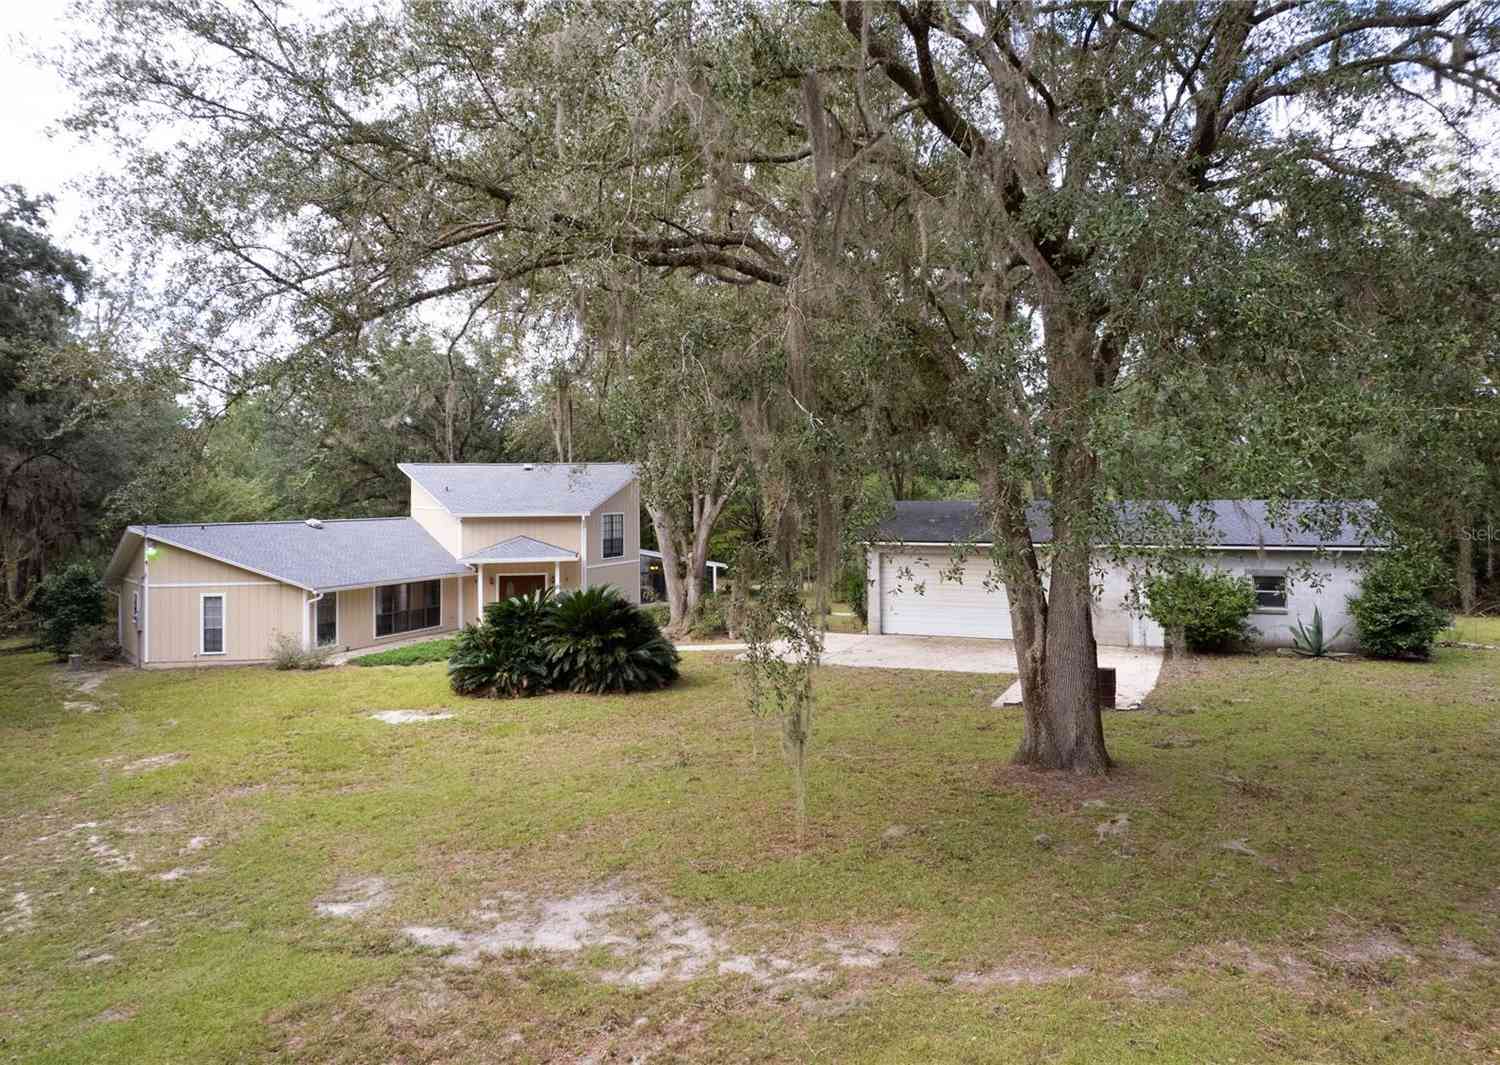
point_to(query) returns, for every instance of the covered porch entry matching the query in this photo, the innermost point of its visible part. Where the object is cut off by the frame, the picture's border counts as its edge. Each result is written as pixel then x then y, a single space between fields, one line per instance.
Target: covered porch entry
pixel 517 566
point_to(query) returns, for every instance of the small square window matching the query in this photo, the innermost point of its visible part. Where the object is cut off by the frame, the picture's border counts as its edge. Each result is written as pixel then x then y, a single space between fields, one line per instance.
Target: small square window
pixel 1270 592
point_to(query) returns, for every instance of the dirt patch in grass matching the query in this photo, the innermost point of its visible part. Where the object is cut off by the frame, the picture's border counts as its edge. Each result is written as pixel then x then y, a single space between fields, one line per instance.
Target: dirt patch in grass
pixel 1283 968
pixel 637 942
pixel 153 762
pixel 355 897
pixel 1062 791
pixel 1019 976
pixel 411 717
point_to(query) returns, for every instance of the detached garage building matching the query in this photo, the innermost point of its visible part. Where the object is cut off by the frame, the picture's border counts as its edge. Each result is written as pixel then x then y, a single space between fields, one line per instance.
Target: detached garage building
pixel 930 573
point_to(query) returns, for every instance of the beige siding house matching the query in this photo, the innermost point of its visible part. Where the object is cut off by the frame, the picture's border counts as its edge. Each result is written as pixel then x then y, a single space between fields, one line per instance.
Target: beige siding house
pixel 221 594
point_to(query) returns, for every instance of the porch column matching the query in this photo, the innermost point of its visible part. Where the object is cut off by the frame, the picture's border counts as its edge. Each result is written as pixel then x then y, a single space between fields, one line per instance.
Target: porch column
pixel 479 593
pixel 556 574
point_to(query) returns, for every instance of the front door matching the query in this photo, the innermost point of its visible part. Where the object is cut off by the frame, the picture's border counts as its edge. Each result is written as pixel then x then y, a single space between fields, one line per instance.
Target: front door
pixel 512 584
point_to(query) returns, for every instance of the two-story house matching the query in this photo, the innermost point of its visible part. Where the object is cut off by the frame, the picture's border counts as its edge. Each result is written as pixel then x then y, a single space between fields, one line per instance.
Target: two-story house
pixel 219 593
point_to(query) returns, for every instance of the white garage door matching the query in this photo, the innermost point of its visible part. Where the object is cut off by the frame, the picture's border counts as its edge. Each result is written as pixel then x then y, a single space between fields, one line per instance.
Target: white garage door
pixel 916 601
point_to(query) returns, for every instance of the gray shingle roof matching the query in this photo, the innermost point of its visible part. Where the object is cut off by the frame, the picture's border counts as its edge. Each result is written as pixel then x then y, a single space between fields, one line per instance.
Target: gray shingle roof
pixel 522 549
pixel 1214 522
pixel 487 489
pixel 342 554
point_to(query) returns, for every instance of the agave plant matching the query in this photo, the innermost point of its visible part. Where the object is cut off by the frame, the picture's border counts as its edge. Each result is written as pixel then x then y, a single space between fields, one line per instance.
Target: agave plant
pixel 1309 641
pixel 598 642
pixel 504 655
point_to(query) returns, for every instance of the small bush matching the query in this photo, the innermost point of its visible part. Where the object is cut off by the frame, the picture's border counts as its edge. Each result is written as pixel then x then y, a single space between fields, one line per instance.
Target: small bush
pixel 287 652
pixel 598 642
pixel 854 587
pixel 97 643
pixel 1394 612
pixel 661 613
pixel 713 617
pixel 504 655
pixel 1211 607
pixel 68 600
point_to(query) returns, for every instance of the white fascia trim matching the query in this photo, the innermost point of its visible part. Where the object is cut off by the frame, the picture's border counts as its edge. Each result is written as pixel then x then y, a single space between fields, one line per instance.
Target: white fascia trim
pixel 393 580
pixel 524 514
pixel 217 584
pixel 275 577
pixel 707 562
pixel 520 561
pixel 615 562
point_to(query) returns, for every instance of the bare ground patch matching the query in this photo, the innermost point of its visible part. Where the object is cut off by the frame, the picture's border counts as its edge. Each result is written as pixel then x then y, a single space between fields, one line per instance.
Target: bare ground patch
pixel 355 897
pixel 621 937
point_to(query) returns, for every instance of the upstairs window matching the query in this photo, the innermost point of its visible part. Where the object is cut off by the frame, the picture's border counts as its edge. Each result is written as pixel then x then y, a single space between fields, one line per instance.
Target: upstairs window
pixel 213 625
pixel 1270 591
pixel 613 541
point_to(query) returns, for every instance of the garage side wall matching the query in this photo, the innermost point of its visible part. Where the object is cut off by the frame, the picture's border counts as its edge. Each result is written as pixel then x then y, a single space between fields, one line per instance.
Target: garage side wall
pixel 1312 583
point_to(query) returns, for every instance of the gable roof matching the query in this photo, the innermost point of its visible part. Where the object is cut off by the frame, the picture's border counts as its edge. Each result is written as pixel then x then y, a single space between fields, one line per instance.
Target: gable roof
pixel 1220 523
pixel 516 490
pixel 522 549
pixel 342 554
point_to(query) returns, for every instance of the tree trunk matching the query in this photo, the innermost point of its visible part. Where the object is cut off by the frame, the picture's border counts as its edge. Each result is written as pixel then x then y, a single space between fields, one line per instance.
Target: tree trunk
pixel 1055 644
pixel 1465 567
pixel 827 547
pixel 1489 555
pixel 666 541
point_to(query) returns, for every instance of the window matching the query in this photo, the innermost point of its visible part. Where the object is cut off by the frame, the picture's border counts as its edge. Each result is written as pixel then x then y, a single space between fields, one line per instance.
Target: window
pixel 135 608
pixel 213 624
pixel 1270 592
pixel 408 607
pixel 613 541
pixel 327 620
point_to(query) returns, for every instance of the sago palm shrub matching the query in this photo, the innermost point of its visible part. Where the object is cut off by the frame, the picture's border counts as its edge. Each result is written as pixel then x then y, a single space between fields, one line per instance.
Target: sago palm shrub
pixel 504 655
pixel 598 642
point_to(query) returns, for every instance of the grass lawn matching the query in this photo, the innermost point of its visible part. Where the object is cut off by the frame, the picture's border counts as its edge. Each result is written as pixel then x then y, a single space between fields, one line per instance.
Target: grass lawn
pixel 1296 862
pixel 414 654
pixel 1471 629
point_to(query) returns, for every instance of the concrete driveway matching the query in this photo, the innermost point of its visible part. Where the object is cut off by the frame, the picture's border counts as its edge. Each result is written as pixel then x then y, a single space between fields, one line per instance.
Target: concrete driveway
pixel 1135 670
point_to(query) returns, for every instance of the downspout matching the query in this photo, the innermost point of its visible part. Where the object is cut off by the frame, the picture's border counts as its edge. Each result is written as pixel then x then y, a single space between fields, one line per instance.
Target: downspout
pixel 583 552
pixel 143 655
pixel 307 609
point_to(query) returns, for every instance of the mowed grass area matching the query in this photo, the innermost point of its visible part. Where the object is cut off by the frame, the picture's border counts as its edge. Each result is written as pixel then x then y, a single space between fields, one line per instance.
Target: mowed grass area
pixel 1362 928
pixel 1474 629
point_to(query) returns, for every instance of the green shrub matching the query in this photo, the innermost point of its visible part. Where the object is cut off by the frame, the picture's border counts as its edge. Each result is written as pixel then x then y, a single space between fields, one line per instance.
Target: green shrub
pixel 1393 611
pixel 1211 607
pixel 599 642
pixel 96 643
pixel 287 652
pixel 68 600
pixel 661 613
pixel 854 587
pixel 713 617
pixel 504 655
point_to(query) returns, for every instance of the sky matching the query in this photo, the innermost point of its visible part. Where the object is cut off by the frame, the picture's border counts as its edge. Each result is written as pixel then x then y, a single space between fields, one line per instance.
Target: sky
pixel 33 99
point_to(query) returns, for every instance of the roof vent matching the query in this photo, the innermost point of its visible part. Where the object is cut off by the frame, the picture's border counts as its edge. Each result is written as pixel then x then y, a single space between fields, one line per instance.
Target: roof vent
pixel 528 466
pixel 313 523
